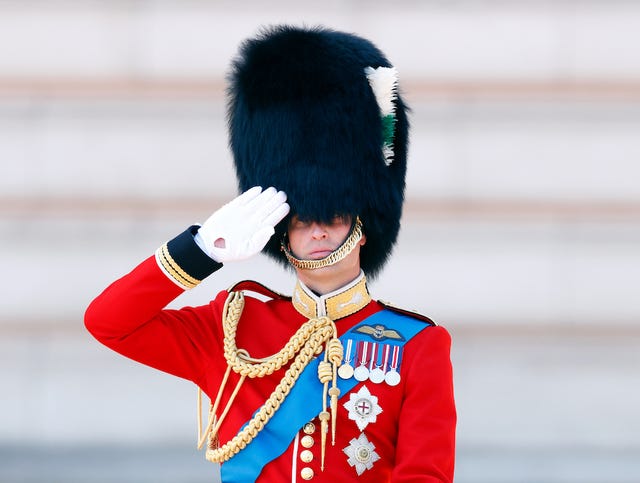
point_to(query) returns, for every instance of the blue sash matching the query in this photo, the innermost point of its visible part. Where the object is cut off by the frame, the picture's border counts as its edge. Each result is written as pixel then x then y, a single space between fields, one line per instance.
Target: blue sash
pixel 298 408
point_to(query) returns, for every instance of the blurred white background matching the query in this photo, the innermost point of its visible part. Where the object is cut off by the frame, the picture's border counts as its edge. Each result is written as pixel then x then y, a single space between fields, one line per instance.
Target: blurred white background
pixel 521 232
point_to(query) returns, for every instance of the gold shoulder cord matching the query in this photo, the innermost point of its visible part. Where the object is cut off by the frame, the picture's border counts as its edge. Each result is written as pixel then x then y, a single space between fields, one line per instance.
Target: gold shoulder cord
pixel 303 346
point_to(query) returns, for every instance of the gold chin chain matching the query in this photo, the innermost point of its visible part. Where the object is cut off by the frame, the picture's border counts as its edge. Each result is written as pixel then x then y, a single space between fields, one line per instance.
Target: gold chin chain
pixel 334 257
pixel 302 347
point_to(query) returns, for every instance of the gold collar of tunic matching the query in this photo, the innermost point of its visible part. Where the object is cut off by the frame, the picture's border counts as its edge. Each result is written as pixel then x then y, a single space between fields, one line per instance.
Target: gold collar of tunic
pixel 336 305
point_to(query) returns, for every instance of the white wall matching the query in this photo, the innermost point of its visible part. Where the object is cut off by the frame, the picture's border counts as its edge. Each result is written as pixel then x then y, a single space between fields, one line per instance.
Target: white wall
pixel 521 230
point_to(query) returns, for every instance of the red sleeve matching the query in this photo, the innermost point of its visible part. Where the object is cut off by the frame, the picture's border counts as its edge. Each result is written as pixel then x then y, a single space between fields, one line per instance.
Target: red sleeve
pixel 129 316
pixel 426 433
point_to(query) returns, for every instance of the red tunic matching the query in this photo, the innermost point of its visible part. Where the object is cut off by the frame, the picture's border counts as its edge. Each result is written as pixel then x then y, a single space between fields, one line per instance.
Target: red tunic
pixel 414 435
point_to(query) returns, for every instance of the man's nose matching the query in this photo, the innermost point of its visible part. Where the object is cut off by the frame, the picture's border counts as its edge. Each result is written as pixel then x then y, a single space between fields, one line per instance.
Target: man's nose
pixel 318 231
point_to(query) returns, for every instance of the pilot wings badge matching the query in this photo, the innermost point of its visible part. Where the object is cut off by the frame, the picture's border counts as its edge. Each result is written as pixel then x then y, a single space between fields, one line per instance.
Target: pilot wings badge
pixel 379 332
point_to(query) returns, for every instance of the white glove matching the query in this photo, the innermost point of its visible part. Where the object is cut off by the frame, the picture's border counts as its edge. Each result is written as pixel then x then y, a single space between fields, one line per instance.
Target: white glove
pixel 242 227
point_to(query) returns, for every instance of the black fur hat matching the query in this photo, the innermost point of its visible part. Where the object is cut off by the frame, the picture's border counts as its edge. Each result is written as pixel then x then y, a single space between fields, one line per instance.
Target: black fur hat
pixel 304 119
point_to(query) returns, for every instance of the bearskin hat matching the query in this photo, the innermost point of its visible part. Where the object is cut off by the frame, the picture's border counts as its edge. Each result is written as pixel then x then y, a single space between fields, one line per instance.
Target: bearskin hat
pixel 304 118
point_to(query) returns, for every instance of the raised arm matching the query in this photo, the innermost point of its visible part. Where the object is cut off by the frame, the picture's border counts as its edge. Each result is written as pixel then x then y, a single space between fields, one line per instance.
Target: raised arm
pixel 130 315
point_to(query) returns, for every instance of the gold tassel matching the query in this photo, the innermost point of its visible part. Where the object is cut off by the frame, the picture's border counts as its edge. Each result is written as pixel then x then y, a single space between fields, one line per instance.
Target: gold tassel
pixel 335 354
pixel 324 429
pixel 334 392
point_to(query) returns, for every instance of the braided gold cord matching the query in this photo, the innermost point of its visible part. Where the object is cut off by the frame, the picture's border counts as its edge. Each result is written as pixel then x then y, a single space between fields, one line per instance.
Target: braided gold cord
pixel 325 372
pixel 335 352
pixel 238 358
pixel 302 347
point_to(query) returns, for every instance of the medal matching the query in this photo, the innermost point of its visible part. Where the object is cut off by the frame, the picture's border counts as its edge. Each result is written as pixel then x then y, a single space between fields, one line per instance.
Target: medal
pixel 376 375
pixel 361 373
pixel 393 377
pixel 345 371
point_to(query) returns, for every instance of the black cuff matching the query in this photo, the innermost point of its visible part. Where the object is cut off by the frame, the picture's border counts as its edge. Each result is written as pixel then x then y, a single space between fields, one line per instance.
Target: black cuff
pixel 184 262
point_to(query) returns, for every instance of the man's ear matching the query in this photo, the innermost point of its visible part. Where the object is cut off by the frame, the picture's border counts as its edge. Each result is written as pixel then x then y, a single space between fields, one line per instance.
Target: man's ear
pixel 363 240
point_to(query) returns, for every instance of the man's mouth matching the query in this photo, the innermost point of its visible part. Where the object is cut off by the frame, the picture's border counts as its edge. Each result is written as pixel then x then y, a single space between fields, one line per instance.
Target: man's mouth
pixel 318 254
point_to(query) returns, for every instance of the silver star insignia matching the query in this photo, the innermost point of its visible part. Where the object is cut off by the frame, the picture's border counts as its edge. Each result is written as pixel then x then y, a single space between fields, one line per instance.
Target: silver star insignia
pixel 361 454
pixel 363 407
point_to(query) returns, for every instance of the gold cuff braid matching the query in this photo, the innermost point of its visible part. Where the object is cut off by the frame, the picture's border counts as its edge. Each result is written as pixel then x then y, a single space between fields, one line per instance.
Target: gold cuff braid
pixel 334 257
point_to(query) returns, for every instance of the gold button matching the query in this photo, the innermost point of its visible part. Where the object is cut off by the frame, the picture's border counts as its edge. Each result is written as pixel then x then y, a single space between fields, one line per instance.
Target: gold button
pixel 309 428
pixel 306 441
pixel 306 456
pixel 306 473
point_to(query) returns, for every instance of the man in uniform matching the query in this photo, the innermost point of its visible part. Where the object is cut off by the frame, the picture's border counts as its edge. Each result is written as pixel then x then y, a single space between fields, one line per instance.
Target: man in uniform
pixel 328 384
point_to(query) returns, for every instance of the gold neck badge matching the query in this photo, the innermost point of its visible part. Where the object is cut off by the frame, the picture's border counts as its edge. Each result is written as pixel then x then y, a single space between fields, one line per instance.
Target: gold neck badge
pixel 335 305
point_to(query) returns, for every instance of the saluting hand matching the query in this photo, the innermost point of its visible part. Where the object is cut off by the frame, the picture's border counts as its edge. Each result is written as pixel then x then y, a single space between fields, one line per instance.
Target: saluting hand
pixel 242 227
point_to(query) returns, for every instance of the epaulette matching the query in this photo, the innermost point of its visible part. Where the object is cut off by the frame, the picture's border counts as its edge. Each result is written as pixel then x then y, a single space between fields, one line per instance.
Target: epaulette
pixel 409 313
pixel 257 287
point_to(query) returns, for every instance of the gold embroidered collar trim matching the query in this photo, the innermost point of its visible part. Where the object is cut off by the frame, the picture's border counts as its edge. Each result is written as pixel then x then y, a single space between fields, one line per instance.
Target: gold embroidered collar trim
pixel 335 305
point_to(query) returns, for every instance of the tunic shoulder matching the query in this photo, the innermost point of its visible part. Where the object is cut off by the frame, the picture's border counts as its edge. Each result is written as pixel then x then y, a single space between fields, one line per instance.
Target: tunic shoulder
pixel 257 287
pixel 409 313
